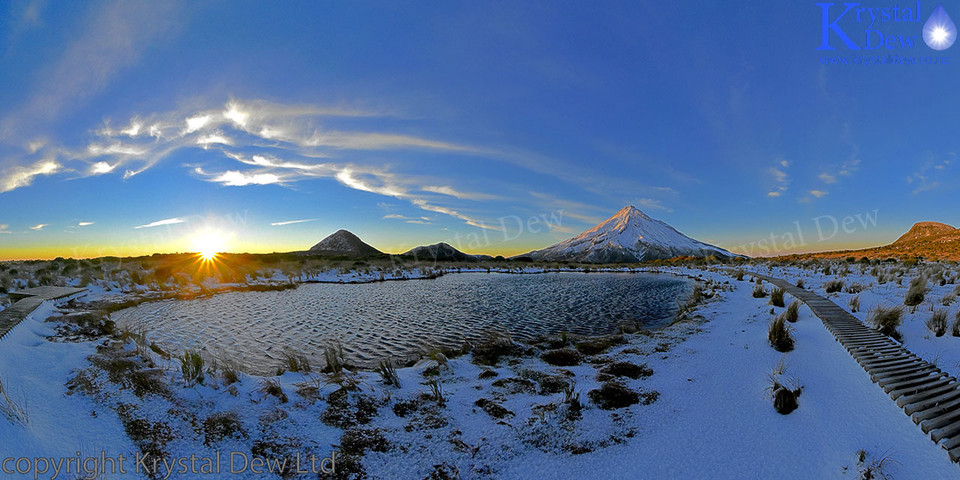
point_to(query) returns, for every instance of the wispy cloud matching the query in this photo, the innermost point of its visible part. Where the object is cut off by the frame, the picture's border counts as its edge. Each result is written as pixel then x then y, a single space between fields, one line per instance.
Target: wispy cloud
pixel 21 176
pixel 4 228
pixel 652 203
pixel 928 176
pixel 39 226
pixel 780 180
pixel 446 190
pixel 84 224
pixel 291 222
pixel 404 217
pixel 159 223
pixel 818 193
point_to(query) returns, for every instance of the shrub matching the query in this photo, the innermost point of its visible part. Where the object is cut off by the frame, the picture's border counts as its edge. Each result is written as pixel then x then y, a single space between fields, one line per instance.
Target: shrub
pixel 792 313
pixel 776 297
pixel 758 291
pixel 938 323
pixel 191 366
pixel 833 286
pixel 916 293
pixel 855 304
pixel 780 335
pixel 887 320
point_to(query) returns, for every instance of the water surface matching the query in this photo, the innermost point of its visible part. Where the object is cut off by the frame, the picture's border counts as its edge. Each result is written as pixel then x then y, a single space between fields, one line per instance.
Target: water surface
pixel 400 318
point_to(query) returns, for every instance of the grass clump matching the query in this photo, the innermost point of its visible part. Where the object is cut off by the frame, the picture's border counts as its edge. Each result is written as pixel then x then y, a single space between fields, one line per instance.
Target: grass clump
pixel 627 369
pixel 598 345
pixel 274 389
pixel 855 304
pixel 877 469
pixel 222 425
pixel 333 355
pixel 887 320
pixel 191 366
pixel 916 292
pixel 613 395
pixel 388 373
pixel 493 347
pixel 800 283
pixel 780 334
pixel 776 297
pixel 792 313
pixel 296 362
pixel 562 357
pixel 783 393
pixel 955 330
pixel 833 286
pixel 11 410
pixel 759 291
pixel 938 323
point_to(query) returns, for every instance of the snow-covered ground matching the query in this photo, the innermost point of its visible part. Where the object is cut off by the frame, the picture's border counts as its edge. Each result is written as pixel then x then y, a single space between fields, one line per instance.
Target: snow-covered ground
pixel 710 419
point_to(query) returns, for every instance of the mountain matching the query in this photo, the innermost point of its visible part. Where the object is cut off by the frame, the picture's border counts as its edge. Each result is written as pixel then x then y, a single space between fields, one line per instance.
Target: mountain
pixel 628 236
pixel 344 243
pixel 440 252
pixel 928 240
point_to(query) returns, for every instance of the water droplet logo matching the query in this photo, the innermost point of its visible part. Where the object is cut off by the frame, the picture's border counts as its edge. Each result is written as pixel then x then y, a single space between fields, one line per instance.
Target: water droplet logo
pixel 939 32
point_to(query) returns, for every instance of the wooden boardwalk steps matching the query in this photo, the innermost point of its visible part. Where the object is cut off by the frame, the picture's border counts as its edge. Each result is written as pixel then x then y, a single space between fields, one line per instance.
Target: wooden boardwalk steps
pixel 928 395
pixel 28 300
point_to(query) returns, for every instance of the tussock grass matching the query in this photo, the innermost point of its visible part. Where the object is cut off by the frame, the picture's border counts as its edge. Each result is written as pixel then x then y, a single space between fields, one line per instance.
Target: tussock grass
pixel 14 412
pixel 388 373
pixel 333 355
pixel 780 335
pixel 938 322
pixel 738 275
pixel 887 320
pixel 274 389
pixel 917 292
pixel 800 284
pixel 855 288
pixel 296 362
pixel 776 297
pixel 783 393
pixel 955 330
pixel 191 366
pixel 948 299
pixel 855 304
pixel 759 291
pixel 436 391
pixel 833 286
pixel 792 313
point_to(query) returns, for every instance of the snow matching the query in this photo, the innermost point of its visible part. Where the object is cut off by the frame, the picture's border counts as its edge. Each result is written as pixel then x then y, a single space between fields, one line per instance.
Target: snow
pixel 630 231
pixel 711 420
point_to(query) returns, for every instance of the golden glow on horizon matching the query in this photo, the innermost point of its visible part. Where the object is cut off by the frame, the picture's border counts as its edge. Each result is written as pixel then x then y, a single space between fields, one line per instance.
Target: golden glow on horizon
pixel 208 243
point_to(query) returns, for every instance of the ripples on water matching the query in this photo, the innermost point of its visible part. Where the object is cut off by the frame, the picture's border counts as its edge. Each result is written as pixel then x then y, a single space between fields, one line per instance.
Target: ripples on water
pixel 397 319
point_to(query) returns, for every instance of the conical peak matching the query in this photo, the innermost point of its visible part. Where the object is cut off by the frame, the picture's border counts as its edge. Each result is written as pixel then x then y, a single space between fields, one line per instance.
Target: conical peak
pixel 629 212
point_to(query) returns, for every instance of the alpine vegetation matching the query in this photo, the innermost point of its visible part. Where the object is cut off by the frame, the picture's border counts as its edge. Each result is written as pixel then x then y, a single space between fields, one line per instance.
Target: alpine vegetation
pixel 833 286
pixel 191 366
pixel 780 334
pixel 917 292
pixel 887 320
pixel 792 313
pixel 758 291
pixel 776 297
pixel 938 322
pixel 784 393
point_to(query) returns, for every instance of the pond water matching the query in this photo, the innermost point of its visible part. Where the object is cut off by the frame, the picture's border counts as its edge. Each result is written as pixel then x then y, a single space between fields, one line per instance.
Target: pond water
pixel 398 319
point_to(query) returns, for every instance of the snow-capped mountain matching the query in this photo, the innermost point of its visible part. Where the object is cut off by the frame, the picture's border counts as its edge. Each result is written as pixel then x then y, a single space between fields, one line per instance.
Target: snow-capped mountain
pixel 628 236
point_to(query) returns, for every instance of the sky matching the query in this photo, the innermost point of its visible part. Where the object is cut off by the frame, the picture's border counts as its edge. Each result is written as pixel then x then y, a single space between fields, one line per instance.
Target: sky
pixel 764 127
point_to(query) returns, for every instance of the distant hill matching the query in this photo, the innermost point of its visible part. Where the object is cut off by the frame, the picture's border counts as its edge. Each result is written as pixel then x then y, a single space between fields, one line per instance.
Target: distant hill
pixel 344 243
pixel 927 240
pixel 442 252
pixel 628 236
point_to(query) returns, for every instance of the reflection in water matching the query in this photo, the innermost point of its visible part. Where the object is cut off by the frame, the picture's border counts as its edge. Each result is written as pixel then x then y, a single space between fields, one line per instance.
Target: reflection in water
pixel 397 319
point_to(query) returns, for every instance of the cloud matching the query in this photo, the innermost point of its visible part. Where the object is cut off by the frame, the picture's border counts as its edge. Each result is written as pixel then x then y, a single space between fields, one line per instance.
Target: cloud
pixel 114 37
pixel 291 222
pixel 235 178
pixel 159 223
pixel 445 190
pixel 84 224
pixel 39 226
pixel 818 193
pixel 827 178
pixel 781 180
pixel 4 228
pixel 928 176
pixel 404 217
pixel 22 176
pixel 652 203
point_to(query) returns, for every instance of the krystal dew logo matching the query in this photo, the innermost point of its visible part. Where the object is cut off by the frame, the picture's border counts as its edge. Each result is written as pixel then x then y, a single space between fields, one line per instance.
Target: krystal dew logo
pixel 888 29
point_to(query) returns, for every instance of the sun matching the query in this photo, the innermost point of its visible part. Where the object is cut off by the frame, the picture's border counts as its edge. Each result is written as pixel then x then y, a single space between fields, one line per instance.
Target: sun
pixel 208 243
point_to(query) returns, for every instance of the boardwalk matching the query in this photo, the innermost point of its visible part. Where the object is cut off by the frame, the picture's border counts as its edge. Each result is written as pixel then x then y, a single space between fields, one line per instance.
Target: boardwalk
pixel 928 395
pixel 26 301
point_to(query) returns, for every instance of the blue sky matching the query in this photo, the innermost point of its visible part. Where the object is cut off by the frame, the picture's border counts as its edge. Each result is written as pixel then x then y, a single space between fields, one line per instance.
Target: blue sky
pixel 413 123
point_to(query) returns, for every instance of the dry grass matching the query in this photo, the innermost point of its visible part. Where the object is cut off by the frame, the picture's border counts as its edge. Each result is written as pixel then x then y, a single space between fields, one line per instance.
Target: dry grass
pixel 938 322
pixel 780 335
pixel 887 320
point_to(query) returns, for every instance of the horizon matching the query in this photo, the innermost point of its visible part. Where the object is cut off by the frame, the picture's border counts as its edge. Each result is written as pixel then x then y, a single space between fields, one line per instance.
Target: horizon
pixel 129 129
